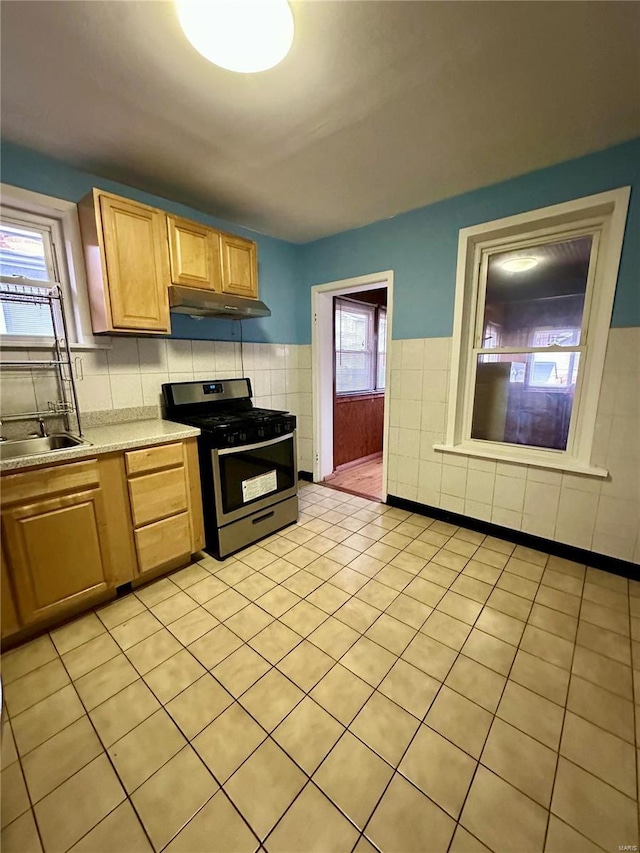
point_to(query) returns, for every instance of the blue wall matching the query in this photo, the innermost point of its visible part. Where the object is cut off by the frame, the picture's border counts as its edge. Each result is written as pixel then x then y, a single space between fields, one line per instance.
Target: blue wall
pixel 420 246
pixel 278 270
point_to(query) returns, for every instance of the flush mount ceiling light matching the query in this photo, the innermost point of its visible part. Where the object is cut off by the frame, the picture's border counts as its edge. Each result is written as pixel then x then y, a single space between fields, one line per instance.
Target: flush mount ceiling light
pixel 240 35
pixel 519 264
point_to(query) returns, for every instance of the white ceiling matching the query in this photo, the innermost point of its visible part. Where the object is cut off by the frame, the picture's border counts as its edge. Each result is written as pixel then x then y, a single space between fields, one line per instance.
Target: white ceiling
pixel 379 108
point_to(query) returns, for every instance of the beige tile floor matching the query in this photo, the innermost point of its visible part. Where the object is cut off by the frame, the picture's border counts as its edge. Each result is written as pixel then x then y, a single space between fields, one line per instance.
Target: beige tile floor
pixel 367 679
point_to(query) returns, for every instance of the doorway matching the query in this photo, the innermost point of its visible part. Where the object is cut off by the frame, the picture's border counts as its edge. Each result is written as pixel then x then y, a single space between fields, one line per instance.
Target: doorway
pixel 352 321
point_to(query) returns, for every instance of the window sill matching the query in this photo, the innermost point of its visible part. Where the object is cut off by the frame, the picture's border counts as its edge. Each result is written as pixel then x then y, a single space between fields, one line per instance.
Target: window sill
pixel 6 343
pixel 345 396
pixel 569 465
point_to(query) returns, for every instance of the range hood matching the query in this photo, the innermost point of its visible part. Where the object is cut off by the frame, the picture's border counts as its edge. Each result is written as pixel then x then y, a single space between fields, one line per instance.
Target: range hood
pixel 198 302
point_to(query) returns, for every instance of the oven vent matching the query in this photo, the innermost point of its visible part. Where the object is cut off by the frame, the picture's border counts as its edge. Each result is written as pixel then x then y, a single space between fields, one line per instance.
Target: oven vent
pixel 198 302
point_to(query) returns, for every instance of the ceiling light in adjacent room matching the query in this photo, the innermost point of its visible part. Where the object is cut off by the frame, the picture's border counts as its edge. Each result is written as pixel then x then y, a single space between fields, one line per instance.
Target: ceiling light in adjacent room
pixel 519 264
pixel 240 35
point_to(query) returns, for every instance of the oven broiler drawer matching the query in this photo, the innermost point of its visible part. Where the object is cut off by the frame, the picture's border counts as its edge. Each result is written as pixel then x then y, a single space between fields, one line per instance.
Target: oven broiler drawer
pixel 232 537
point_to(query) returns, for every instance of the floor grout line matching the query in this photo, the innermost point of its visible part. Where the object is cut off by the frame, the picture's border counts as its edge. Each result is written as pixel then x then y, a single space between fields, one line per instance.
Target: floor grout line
pixel 361 632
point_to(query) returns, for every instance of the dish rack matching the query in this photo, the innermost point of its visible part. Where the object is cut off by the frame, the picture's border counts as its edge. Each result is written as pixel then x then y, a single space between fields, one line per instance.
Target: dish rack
pixel 66 406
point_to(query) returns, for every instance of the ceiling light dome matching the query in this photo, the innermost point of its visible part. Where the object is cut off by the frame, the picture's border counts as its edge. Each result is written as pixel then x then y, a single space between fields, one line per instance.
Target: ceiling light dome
pixel 240 35
pixel 519 264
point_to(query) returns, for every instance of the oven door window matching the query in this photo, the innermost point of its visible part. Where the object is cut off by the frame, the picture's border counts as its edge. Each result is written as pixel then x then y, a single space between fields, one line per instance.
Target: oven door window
pixel 247 476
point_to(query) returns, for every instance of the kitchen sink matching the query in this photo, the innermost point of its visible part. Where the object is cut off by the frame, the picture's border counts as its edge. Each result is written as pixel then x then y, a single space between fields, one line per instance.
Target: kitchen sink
pixel 35 446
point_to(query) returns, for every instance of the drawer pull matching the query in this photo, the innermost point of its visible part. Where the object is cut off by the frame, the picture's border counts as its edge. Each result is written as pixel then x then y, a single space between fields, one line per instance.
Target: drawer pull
pixel 263 517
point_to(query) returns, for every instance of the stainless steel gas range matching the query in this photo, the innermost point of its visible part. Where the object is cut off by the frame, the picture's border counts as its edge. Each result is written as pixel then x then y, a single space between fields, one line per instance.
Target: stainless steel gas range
pixel 247 461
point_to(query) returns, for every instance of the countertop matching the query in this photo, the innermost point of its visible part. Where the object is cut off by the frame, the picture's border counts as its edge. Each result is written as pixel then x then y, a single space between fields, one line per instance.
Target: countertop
pixel 107 439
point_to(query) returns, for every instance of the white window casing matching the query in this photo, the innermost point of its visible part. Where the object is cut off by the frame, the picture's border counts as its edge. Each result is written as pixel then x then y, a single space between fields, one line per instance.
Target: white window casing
pixel 603 216
pixel 62 219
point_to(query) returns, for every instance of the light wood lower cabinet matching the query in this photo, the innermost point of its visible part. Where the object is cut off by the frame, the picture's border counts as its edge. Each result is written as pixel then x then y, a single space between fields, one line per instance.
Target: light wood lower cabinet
pixel 10 620
pixel 61 550
pixel 164 508
pixel 71 533
pixel 56 545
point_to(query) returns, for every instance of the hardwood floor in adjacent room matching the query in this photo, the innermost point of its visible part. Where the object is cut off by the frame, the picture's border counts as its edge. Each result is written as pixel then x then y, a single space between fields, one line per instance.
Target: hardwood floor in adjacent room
pixel 364 479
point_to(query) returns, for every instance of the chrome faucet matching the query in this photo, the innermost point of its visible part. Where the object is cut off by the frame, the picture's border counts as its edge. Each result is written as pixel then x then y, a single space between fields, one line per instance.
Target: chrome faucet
pixel 42 429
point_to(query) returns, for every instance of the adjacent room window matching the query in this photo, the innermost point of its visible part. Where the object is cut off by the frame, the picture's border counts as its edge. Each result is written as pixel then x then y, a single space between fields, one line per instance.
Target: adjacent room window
pixel 533 309
pixel 360 346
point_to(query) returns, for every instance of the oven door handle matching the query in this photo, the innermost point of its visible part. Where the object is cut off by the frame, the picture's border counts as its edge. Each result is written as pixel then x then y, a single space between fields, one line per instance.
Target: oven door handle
pixel 244 447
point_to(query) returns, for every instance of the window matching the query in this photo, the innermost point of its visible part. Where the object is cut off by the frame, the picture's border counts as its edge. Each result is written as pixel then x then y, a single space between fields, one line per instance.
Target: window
pixel 40 246
pixel 360 346
pixel 28 259
pixel 382 347
pixel 533 309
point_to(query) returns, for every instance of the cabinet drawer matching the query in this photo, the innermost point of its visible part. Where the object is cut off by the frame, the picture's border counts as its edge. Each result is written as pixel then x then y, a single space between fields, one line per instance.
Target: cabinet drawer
pixel 163 542
pixel 154 458
pixel 155 496
pixel 42 482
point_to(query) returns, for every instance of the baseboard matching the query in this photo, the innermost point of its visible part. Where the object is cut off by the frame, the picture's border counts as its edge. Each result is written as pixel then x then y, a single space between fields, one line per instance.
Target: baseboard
pixel 355 462
pixel 305 475
pixel 547 546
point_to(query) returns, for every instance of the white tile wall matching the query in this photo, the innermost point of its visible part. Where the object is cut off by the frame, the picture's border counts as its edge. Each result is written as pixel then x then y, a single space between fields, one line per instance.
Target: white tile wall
pixel 132 371
pixel 590 513
pixel 602 515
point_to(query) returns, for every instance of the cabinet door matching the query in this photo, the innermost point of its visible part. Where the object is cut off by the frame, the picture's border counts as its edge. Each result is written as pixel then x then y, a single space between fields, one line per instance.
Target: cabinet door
pixel 194 254
pixel 239 266
pixel 57 552
pixel 10 621
pixel 137 269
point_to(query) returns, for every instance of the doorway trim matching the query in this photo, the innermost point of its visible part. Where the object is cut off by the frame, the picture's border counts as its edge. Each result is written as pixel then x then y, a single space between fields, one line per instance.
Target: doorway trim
pixel 322 367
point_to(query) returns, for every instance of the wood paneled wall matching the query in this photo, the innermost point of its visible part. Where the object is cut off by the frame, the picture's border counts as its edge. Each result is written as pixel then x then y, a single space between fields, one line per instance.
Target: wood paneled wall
pixel 357 427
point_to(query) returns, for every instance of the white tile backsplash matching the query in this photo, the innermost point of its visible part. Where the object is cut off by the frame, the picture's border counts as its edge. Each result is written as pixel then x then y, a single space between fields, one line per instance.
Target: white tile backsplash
pixel 203 356
pixel 132 372
pixel 179 356
pixel 153 355
pixel 123 356
pixel 126 390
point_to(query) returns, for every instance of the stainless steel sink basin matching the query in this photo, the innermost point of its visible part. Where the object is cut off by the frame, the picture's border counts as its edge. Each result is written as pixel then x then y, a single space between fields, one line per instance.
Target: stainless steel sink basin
pixel 35 446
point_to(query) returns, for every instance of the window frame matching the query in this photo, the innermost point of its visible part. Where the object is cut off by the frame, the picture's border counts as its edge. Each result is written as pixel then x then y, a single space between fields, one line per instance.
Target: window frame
pixel 62 216
pixel 603 214
pixel 374 311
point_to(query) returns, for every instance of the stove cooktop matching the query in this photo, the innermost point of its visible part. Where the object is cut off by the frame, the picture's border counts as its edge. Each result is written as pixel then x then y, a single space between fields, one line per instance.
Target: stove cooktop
pixel 223 410
pixel 248 416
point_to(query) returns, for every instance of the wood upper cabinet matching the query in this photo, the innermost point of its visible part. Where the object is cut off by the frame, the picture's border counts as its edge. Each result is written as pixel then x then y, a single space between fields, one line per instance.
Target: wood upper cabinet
pixel 239 266
pixel 194 254
pixel 54 524
pixel 127 264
